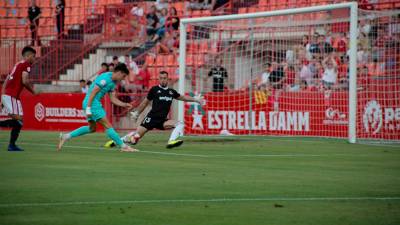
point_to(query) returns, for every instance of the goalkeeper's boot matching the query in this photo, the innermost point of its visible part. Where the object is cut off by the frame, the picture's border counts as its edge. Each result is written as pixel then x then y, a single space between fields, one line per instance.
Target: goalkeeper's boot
pixel 110 144
pixel 127 148
pixel 61 142
pixel 14 148
pixel 175 143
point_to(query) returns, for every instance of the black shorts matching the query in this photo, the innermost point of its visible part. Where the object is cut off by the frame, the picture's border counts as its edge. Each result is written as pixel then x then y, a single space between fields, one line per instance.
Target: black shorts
pixel 152 122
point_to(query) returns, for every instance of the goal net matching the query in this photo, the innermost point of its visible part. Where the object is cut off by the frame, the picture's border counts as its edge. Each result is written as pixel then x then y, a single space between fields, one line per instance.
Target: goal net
pixel 326 71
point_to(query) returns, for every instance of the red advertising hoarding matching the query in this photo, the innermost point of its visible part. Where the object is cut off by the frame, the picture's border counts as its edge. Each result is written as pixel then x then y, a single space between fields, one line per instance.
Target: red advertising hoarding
pixel 52 111
pixel 294 113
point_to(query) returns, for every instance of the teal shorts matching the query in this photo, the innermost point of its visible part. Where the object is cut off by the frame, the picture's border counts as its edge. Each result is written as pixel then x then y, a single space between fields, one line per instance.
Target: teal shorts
pixel 98 113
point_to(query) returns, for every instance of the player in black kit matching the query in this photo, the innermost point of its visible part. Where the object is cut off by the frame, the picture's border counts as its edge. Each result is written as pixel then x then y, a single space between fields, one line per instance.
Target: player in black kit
pixel 162 97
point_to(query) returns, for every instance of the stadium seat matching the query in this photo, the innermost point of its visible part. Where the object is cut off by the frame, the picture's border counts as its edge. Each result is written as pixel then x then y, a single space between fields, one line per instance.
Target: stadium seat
pixel 74 3
pixel 11 33
pixel 3 13
pixel 23 4
pixel 196 13
pixel 171 60
pixel 199 59
pixel 204 47
pixel 161 60
pixel 243 10
pixel 149 60
pixel 263 3
pixel 207 13
pixel 179 6
pixel 193 47
pixel 189 60
pixel 46 3
pixel 47 12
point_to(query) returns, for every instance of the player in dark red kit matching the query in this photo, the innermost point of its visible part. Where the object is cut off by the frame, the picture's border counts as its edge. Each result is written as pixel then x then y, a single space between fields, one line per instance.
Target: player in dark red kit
pixel 10 92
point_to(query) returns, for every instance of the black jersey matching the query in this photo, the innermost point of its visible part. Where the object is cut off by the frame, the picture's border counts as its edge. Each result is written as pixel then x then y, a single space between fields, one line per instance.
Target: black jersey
pixel 218 73
pixel 162 100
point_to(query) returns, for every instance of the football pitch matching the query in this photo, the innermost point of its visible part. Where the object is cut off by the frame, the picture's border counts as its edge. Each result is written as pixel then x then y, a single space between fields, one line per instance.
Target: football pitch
pixel 206 181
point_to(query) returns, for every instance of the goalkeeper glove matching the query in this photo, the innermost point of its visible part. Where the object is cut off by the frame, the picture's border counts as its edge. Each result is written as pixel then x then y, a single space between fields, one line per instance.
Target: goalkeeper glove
pixel 200 99
pixel 134 115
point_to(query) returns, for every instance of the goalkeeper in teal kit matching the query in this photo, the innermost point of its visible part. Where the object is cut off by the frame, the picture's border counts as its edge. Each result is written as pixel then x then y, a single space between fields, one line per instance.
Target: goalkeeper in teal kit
pixel 93 108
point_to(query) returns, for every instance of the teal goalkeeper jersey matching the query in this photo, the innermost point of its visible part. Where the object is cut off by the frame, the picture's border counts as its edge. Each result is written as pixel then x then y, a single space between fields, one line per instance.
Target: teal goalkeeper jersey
pixel 106 85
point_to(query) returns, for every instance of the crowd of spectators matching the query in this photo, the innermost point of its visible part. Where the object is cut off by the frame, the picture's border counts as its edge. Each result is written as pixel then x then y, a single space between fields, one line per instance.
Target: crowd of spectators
pixel 321 60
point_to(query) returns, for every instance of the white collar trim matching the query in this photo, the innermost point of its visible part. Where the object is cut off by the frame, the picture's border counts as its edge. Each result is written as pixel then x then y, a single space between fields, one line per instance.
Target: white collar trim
pixel 165 88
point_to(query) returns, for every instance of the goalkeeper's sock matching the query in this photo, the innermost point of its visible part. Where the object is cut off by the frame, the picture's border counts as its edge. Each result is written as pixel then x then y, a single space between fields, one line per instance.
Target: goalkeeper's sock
pixel 78 132
pixel 111 133
pixel 176 132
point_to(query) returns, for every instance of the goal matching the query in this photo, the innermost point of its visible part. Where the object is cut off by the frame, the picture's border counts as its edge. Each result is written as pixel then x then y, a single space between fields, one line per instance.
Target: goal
pixel 322 71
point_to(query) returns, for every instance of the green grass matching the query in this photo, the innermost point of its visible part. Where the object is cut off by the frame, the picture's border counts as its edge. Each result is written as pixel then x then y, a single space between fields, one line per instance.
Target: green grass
pixel 210 181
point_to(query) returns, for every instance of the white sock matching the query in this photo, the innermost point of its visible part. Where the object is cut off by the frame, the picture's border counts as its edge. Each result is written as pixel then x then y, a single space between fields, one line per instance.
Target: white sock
pixel 177 131
pixel 66 136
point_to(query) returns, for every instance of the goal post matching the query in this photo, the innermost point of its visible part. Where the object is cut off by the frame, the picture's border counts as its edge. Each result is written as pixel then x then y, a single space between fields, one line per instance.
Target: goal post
pixel 243 45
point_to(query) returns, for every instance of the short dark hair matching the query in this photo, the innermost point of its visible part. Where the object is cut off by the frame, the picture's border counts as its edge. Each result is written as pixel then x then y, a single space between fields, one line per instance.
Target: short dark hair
pixel 164 72
pixel 28 49
pixel 111 64
pixel 89 82
pixel 122 68
pixel 82 81
pixel 104 64
pixel 115 57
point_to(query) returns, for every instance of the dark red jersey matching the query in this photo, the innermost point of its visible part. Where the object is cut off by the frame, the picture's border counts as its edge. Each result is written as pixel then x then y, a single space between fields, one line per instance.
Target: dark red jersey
pixel 14 84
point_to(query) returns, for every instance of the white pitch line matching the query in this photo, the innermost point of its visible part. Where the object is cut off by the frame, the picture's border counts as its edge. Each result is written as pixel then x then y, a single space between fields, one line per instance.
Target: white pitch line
pixel 218 200
pixel 208 156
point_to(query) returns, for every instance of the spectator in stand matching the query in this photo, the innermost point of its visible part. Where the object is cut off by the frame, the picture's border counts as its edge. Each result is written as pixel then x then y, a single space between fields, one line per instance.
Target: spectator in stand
pixel 170 44
pixel 103 69
pixel 131 64
pixel 161 25
pixel 215 4
pixel 276 77
pixel 264 81
pixel 362 55
pixel 340 44
pixel 88 83
pixel 219 74
pixel 306 76
pixel 314 50
pixel 33 16
pixel 172 22
pixel 329 77
pixel 152 22
pixel 362 77
pixel 305 42
pixel 195 5
pixel 115 60
pixel 82 85
pixel 136 22
pixel 290 76
pixel 111 67
pixel 142 79
pixel 324 46
pixel 161 4
pixel 60 18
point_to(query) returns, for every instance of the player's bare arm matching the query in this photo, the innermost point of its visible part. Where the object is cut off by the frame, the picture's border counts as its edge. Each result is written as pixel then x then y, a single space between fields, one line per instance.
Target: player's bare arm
pixel 114 100
pixel 190 99
pixel 135 114
pixel 28 85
